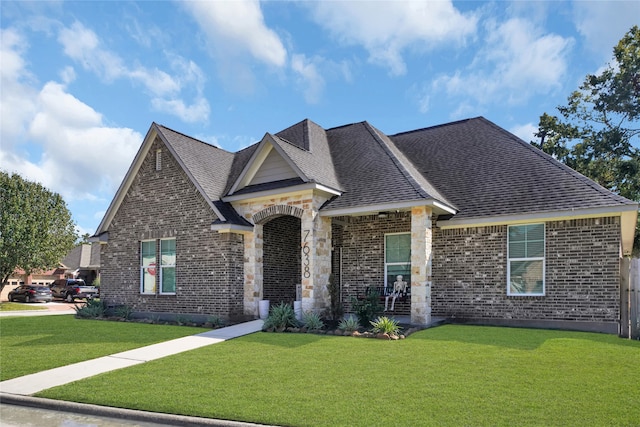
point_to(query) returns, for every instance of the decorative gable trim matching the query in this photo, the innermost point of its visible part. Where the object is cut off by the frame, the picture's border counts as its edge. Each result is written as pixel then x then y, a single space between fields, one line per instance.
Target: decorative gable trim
pixel 257 160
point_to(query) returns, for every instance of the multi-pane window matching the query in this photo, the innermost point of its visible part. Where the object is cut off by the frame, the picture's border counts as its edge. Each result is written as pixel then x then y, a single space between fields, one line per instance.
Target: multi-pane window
pixel 156 270
pixel 168 266
pixel 148 267
pixel 397 258
pixel 525 266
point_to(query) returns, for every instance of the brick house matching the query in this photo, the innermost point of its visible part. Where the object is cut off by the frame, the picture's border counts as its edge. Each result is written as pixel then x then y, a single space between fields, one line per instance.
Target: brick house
pixel 483 227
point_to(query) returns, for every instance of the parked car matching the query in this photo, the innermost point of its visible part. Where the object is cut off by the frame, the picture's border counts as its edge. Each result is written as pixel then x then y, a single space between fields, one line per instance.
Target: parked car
pixel 31 293
pixel 72 289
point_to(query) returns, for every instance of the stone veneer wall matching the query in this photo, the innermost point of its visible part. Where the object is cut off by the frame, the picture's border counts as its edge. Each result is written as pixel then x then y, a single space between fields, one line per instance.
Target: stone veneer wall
pixel 362 242
pixel 582 273
pixel 281 268
pixel 209 266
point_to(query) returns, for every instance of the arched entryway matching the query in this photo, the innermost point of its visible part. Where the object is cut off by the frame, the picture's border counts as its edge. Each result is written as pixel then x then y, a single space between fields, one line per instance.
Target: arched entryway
pixel 281 259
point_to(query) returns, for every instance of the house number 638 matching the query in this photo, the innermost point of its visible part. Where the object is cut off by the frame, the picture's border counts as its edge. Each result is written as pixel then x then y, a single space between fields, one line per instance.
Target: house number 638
pixel 306 273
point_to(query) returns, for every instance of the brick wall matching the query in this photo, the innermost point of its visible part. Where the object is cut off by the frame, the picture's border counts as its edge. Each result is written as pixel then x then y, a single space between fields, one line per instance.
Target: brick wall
pixel 362 242
pixel 209 266
pixel 281 267
pixel 582 273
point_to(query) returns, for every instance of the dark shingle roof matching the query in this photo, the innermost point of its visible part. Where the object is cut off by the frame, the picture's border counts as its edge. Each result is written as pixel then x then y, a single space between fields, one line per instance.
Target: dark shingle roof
pixel 306 144
pixel 210 166
pixel 372 170
pixel 472 165
pixel 486 171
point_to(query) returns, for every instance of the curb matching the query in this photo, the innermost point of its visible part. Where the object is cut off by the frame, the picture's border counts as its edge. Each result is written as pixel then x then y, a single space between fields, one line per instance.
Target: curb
pixel 118 413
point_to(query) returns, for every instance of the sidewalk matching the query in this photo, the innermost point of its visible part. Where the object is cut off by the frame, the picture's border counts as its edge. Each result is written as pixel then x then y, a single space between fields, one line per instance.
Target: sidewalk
pixel 33 383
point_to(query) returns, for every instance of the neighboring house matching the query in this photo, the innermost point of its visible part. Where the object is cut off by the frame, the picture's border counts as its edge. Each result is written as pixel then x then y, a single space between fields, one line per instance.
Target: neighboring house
pixel 19 277
pixel 83 262
pixel 484 227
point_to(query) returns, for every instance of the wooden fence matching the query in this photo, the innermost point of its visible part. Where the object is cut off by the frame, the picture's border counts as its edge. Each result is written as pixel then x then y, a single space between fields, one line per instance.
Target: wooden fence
pixel 634 299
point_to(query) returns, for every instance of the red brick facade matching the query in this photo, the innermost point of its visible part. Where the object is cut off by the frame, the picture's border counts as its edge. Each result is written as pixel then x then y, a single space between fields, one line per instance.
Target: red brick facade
pixel 209 265
pixel 469 265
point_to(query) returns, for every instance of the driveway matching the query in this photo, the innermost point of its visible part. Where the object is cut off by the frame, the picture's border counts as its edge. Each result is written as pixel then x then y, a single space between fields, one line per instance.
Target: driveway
pixel 50 308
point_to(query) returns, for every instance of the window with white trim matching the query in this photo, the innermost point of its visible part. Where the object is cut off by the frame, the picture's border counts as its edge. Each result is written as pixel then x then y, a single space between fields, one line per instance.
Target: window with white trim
pixel 397 258
pixel 148 267
pixel 168 266
pixel 525 264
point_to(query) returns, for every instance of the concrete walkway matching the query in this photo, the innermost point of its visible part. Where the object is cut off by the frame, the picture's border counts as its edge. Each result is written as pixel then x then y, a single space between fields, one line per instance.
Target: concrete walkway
pixel 33 383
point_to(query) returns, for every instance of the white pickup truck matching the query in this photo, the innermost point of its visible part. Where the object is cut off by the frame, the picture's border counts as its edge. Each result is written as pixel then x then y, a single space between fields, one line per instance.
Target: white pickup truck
pixel 72 289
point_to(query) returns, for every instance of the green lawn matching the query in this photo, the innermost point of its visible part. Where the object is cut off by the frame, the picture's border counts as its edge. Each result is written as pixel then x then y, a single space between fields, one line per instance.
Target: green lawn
pixel 32 344
pixel 445 376
pixel 14 306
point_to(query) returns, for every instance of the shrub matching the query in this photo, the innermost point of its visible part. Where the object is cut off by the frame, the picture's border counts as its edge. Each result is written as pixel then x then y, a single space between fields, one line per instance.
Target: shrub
pixel 312 321
pixel 215 321
pixel 280 317
pixel 92 309
pixel 123 311
pixel 366 309
pixel 183 320
pixel 386 325
pixel 349 324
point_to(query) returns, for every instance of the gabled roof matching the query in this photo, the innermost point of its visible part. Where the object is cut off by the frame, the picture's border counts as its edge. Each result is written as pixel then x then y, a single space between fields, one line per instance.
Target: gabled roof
pixel 303 147
pixel 208 168
pixel 471 170
pixel 83 257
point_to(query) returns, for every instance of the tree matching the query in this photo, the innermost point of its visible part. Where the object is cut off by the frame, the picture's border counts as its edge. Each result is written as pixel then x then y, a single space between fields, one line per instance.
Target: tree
pixel 598 130
pixel 36 229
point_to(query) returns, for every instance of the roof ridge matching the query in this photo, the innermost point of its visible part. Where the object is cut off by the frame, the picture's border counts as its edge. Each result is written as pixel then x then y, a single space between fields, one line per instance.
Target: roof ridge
pixel 397 163
pixel 194 139
pixel 457 122
pixel 558 164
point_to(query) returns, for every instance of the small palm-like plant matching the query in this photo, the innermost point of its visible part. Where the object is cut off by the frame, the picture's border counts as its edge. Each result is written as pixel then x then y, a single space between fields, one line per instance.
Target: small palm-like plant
pixel 312 321
pixel 280 318
pixel 349 324
pixel 385 325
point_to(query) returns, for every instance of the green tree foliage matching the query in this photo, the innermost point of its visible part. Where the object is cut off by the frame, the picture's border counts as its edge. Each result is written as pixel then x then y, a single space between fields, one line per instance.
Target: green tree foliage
pixel 598 130
pixel 36 229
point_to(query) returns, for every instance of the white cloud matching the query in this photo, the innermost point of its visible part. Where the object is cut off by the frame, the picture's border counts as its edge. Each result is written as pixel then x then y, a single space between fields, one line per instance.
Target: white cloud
pixel 525 132
pixel 309 77
pixel 81 157
pixel 603 23
pixel 166 90
pixel 50 136
pixel 16 96
pixel 387 29
pixel 236 27
pixel 518 61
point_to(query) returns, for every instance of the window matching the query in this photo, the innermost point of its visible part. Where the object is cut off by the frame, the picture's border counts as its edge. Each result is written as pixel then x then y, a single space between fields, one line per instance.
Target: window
pixel 158 160
pixel 525 266
pixel 148 267
pixel 397 258
pixel 168 266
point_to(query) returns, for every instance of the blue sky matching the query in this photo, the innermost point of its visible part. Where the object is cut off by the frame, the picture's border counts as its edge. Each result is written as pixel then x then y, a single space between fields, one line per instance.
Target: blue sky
pixel 83 81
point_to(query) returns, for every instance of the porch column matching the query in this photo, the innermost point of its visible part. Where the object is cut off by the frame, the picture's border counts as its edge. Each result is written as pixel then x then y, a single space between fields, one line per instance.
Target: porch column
pixel 421 253
pixel 253 251
pixel 315 259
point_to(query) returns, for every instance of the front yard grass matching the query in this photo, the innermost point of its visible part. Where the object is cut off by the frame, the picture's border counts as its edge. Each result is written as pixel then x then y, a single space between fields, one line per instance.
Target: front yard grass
pixel 14 306
pixel 447 376
pixel 33 344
